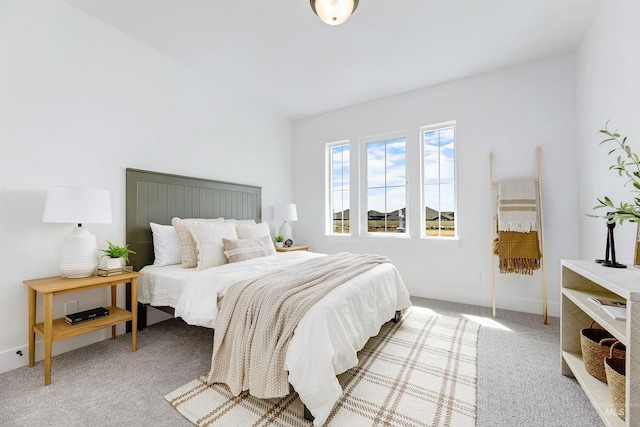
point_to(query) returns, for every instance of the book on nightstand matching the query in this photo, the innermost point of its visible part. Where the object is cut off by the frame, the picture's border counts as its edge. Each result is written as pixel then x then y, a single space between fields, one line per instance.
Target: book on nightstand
pixel 85 316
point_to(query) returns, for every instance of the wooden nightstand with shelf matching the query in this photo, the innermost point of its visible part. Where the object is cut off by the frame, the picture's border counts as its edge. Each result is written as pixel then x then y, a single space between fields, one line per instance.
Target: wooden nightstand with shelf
pixel 293 248
pixel 52 330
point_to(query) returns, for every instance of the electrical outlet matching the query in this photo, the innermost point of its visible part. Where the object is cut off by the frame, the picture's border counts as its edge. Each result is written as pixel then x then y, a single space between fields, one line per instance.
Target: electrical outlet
pixel 71 307
pixel 477 277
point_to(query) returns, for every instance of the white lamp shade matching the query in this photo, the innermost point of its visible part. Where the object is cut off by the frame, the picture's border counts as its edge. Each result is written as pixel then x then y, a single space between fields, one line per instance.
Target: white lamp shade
pixel 333 12
pixel 77 205
pixel 285 212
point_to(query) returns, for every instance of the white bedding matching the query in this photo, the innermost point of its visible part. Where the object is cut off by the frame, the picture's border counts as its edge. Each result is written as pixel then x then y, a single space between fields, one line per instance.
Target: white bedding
pixel 328 337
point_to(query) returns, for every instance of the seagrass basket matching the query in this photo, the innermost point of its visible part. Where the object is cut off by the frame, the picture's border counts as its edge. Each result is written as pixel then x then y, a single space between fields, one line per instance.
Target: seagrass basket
pixel 615 371
pixel 595 344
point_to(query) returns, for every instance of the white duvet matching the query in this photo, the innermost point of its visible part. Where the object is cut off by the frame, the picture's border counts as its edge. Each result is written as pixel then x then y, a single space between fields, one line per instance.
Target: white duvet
pixel 328 337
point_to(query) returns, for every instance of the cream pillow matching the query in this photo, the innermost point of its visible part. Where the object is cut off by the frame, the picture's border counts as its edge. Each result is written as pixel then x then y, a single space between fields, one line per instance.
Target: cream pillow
pixel 166 248
pixel 244 249
pixel 252 231
pixel 241 221
pixel 188 252
pixel 208 237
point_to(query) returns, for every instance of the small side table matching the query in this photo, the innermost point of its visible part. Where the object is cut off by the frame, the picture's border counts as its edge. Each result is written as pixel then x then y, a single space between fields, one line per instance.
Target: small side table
pixel 293 248
pixel 52 330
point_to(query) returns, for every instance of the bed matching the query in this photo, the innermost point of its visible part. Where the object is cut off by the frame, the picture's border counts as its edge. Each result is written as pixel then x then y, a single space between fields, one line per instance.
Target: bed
pixel 327 337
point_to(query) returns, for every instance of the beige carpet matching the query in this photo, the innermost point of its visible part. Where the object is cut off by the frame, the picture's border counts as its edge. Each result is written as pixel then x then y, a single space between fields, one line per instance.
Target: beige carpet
pixel 419 372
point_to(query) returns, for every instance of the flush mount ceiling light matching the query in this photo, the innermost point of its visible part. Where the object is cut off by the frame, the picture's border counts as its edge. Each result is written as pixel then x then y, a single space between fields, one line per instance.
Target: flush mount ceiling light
pixel 334 12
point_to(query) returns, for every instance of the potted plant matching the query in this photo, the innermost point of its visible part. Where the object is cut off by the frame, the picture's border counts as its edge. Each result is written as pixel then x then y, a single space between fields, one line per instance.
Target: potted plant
pixel 628 166
pixel 279 241
pixel 116 254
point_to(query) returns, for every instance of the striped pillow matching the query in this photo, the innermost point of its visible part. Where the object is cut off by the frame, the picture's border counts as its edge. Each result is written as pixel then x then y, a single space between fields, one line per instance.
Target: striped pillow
pixel 188 251
pixel 243 249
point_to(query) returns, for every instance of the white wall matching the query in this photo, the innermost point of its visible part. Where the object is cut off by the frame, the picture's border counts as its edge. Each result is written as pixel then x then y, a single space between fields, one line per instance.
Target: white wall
pixel 608 88
pixel 81 102
pixel 508 112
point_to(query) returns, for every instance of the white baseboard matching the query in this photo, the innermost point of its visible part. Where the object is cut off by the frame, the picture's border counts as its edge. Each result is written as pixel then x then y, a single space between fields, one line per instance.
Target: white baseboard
pixel 503 302
pixel 10 359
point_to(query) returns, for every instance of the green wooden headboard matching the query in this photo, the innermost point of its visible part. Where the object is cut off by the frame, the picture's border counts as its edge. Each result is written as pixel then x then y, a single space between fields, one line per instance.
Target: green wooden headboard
pixel 158 197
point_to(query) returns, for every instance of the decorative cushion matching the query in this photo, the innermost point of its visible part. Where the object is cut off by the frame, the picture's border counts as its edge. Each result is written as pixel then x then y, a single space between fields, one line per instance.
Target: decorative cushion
pixel 241 221
pixel 208 237
pixel 244 249
pixel 166 248
pixel 188 252
pixel 252 231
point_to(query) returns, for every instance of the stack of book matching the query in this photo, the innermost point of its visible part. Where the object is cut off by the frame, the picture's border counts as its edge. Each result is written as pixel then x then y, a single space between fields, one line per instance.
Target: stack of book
pixel 85 316
pixel 617 310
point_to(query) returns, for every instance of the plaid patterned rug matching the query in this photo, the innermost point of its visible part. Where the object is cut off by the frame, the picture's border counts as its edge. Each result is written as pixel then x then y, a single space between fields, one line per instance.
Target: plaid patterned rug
pixel 418 372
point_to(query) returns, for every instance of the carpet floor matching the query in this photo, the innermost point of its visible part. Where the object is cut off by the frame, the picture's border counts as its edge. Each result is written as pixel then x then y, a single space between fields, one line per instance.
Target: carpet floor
pixel 105 384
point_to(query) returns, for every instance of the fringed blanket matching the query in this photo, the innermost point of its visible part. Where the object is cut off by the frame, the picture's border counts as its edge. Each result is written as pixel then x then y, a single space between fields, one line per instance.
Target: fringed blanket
pixel 258 316
pixel 517 244
pixel 517 205
pixel 518 253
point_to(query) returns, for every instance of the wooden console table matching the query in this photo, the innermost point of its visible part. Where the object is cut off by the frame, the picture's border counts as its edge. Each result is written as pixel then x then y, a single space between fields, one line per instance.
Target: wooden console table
pixel 52 330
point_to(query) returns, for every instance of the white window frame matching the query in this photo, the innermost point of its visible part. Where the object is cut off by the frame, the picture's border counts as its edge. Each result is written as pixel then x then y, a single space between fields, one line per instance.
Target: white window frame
pixel 423 129
pixel 329 187
pixel 363 190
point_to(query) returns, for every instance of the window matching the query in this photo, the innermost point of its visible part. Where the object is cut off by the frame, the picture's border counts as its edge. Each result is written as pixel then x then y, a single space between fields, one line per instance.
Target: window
pixel 438 178
pixel 386 185
pixel 339 177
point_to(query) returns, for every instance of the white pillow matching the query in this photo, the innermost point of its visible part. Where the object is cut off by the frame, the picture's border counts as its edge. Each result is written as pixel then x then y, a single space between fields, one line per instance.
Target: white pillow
pixel 166 248
pixel 208 237
pixel 243 249
pixel 185 239
pixel 252 231
pixel 241 221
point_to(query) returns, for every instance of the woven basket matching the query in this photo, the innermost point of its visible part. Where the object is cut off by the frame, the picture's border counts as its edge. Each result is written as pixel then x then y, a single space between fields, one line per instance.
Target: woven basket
pixel 614 368
pixel 595 344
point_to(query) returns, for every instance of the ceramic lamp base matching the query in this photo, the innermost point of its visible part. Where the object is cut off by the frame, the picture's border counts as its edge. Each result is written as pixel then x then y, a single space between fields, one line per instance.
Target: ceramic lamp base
pixel 285 230
pixel 79 254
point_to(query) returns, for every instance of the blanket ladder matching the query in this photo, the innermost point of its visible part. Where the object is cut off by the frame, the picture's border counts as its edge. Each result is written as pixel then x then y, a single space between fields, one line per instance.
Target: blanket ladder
pixel 540 219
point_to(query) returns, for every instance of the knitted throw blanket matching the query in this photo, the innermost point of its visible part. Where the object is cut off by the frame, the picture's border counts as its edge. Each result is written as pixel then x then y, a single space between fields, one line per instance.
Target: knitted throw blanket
pixel 258 316
pixel 517 205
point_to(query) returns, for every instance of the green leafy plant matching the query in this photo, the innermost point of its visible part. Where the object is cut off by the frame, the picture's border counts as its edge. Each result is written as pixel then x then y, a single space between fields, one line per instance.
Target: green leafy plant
pixel 278 239
pixel 115 251
pixel 628 166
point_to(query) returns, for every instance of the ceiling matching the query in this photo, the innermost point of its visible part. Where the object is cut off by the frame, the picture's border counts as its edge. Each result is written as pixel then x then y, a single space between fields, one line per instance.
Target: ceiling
pixel 282 57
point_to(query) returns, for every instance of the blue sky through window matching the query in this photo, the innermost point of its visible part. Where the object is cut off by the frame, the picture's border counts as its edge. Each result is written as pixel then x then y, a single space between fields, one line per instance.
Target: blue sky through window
pixel 340 175
pixel 386 175
pixel 439 169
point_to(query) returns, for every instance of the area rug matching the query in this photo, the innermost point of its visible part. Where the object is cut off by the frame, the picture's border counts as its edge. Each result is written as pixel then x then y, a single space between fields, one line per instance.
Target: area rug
pixel 418 372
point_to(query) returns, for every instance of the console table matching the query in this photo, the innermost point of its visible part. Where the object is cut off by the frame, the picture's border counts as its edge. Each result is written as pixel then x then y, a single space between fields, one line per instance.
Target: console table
pixel 582 279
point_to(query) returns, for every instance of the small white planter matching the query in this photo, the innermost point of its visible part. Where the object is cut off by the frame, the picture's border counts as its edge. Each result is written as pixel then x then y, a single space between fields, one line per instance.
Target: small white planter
pixel 279 244
pixel 113 263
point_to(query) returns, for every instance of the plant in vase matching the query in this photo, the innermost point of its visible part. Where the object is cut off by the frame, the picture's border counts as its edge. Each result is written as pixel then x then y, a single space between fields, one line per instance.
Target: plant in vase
pixel 279 241
pixel 627 165
pixel 116 254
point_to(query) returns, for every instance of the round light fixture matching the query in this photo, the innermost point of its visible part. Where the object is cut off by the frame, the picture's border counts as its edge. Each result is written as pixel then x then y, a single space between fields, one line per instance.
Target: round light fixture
pixel 334 12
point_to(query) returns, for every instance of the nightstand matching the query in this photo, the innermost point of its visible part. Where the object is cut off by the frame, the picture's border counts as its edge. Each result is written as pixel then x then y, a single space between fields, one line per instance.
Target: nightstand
pixel 52 330
pixel 293 248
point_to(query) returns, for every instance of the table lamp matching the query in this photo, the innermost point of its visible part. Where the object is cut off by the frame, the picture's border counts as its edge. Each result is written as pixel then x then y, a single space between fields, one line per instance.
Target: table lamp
pixel 78 205
pixel 284 213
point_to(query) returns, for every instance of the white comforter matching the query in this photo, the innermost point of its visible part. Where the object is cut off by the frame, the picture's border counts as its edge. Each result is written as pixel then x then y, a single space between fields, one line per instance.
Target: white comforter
pixel 328 337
